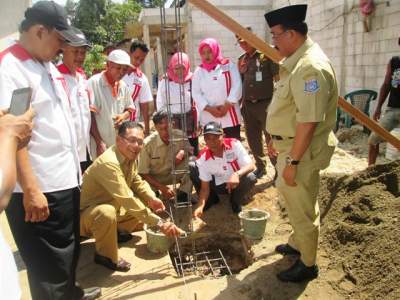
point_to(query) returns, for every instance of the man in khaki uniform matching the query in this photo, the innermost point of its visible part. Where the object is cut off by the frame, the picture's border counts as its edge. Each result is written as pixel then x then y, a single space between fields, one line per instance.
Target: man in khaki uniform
pixel 155 161
pixel 300 120
pixel 115 198
pixel 258 74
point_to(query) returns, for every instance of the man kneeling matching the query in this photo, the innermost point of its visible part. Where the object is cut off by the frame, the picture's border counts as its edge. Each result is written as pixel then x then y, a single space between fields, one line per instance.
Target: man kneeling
pixel 223 167
pixel 114 198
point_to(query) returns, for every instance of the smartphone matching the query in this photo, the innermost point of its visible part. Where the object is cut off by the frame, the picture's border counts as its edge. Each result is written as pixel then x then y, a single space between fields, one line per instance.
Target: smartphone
pixel 20 101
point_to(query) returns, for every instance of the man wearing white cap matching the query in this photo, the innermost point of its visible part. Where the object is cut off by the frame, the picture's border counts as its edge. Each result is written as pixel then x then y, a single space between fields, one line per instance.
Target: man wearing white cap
pixel 110 101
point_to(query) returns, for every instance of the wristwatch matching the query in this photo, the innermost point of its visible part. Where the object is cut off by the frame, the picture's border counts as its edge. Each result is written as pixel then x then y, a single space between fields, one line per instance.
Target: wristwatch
pixel 291 161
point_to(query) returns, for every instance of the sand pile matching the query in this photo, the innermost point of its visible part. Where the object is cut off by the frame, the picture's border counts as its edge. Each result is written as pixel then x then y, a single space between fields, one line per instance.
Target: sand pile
pixel 361 231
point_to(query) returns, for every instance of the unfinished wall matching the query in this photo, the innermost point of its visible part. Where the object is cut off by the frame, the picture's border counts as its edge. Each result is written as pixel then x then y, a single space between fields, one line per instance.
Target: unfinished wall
pixel 359 57
pixel 246 12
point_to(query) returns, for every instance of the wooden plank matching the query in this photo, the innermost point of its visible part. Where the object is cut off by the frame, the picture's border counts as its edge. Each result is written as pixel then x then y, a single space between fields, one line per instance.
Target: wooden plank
pixel 225 20
pixel 367 122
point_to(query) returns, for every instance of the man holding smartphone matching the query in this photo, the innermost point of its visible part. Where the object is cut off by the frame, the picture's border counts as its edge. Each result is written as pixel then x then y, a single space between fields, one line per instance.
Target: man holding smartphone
pixel 43 213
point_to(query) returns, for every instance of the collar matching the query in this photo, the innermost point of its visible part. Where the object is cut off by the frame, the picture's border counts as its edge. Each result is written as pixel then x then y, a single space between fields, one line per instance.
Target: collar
pixel 290 62
pixel 135 71
pixel 227 145
pixel 64 69
pixel 114 88
pixel 255 53
pixel 121 159
pixel 159 141
pixel 17 51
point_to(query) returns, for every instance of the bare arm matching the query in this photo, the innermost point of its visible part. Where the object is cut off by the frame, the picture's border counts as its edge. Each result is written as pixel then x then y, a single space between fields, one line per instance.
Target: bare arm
pixel 383 92
pixel 203 196
pixel 144 107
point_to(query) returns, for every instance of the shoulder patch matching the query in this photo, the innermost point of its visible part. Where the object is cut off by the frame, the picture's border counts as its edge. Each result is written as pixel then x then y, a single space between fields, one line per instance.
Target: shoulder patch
pixel 311 86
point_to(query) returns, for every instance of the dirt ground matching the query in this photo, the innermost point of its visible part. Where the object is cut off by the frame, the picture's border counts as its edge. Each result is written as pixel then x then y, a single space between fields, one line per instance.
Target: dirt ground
pixel 359 255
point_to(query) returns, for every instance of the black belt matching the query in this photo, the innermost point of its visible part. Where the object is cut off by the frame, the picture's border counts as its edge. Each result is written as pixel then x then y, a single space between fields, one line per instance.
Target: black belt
pixel 280 138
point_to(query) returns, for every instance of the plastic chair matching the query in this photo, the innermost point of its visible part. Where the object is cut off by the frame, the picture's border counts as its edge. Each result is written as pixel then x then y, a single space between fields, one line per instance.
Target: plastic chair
pixel 360 99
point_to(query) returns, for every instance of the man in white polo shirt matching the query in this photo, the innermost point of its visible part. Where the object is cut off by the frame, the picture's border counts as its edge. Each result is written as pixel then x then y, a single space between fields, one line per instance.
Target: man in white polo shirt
pixel 138 84
pixel 223 167
pixel 78 92
pixel 111 103
pixel 43 213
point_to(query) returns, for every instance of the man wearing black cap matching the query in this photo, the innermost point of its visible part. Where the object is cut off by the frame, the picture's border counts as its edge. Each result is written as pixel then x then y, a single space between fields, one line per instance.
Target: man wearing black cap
pixel 223 167
pixel 258 73
pixel 79 96
pixel 300 120
pixel 44 209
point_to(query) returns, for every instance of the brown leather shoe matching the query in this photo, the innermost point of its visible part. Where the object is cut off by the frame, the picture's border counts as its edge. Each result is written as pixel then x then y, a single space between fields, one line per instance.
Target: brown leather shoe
pixel 122 265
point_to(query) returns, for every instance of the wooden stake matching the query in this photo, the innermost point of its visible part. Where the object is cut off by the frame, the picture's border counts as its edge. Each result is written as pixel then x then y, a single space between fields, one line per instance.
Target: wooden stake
pixel 274 55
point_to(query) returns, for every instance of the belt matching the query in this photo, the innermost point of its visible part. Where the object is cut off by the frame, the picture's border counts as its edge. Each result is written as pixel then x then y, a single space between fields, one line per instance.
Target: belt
pixel 256 100
pixel 280 138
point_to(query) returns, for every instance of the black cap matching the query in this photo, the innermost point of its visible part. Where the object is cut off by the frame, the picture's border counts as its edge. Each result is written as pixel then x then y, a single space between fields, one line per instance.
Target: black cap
pixel 52 15
pixel 81 39
pixel 288 15
pixel 213 128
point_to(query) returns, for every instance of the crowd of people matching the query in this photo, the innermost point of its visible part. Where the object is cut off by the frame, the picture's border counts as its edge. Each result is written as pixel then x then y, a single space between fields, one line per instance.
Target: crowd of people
pixel 91 165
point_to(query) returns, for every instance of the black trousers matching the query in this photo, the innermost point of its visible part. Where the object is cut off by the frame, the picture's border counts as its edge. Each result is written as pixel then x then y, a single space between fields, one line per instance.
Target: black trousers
pixel 232 132
pixel 50 249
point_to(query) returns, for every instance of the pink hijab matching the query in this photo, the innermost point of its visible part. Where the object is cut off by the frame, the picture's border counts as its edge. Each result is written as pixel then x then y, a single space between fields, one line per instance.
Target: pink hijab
pixel 215 50
pixel 179 58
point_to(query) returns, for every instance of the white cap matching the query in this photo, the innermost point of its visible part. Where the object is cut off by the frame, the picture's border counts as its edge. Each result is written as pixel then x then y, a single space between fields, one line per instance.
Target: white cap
pixel 120 57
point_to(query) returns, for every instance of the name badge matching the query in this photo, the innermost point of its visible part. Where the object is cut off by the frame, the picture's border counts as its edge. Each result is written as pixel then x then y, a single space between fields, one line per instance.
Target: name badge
pixel 258 76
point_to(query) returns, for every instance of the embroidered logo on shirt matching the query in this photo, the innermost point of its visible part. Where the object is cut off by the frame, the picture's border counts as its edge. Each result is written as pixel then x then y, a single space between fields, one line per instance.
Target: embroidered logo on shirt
pixel 311 86
pixel 215 78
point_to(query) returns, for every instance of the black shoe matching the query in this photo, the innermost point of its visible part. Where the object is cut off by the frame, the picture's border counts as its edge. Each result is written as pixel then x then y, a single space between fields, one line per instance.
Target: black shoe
pixel 286 249
pixel 91 293
pixel 122 265
pixel 259 173
pixel 298 272
pixel 236 208
pixel 124 237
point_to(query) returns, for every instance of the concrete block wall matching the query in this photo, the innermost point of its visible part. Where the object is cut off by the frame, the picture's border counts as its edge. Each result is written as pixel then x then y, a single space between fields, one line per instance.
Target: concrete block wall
pixel 359 57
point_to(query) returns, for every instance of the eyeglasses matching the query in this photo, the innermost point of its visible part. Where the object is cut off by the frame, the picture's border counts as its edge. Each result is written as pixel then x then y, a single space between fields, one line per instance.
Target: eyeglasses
pixel 132 141
pixel 276 35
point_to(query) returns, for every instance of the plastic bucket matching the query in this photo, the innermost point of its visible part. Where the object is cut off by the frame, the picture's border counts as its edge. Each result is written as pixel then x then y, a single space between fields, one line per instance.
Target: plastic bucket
pixel 157 242
pixel 253 222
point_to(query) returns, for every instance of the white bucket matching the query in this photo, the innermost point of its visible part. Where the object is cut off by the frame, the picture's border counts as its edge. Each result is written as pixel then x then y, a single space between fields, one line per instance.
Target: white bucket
pixel 393 153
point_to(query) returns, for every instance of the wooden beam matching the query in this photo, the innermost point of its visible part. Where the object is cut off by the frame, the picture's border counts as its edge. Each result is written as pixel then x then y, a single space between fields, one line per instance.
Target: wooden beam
pixel 225 20
pixel 367 122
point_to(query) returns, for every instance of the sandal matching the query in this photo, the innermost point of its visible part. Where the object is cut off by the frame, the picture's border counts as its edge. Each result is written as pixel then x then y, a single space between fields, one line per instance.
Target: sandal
pixel 122 265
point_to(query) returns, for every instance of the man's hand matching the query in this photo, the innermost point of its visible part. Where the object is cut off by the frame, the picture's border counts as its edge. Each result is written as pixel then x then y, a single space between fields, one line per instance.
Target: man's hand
pixel 377 114
pixel 232 182
pixel 271 151
pixel 223 109
pixel 289 175
pixel 214 111
pixel 156 205
pixel 100 147
pixel 180 157
pixel 118 119
pixel 198 212
pixel 18 127
pixel 170 229
pixel 167 192
pixel 36 206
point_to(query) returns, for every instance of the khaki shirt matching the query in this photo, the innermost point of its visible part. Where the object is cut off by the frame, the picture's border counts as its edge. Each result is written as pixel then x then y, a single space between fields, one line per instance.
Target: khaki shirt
pixel 114 179
pixel 253 89
pixel 306 92
pixel 156 157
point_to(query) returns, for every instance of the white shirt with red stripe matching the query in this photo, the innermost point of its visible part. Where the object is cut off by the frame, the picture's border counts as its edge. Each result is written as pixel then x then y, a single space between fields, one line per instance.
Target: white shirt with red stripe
pixel 233 159
pixel 80 107
pixel 215 88
pixel 178 104
pixel 105 106
pixel 139 88
pixel 53 146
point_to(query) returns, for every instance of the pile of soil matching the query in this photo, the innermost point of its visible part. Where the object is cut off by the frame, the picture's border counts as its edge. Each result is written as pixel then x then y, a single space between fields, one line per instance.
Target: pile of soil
pixel 360 231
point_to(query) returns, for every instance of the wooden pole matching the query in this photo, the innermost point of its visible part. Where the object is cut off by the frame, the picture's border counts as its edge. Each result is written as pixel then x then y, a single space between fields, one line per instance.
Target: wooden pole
pixel 274 55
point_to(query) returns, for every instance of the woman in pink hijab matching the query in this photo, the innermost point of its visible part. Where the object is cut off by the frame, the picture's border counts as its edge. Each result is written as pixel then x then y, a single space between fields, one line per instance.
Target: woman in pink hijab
pixel 217 89
pixel 179 81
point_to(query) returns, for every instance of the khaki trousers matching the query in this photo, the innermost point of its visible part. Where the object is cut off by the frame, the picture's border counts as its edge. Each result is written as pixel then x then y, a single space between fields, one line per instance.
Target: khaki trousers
pixel 102 222
pixel 301 200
